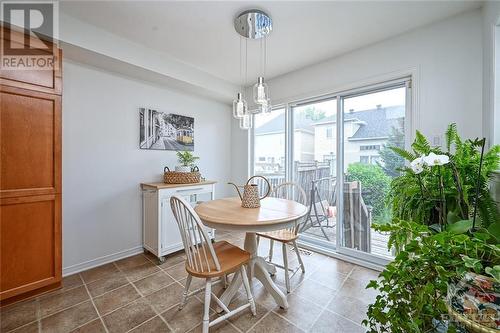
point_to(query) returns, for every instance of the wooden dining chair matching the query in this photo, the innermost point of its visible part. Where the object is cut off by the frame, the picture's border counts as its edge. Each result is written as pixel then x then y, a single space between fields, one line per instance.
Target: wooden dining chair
pixel 208 261
pixel 290 191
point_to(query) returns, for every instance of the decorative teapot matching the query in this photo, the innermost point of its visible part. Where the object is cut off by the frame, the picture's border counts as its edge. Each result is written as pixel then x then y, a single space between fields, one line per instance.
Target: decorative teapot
pixel 250 197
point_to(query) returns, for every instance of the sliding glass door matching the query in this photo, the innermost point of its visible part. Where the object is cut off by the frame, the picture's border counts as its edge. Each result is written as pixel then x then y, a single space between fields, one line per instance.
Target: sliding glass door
pixel 373 121
pixel 337 149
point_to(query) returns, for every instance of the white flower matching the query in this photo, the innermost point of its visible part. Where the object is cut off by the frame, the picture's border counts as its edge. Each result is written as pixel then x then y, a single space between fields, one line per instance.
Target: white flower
pixel 433 159
pixel 417 165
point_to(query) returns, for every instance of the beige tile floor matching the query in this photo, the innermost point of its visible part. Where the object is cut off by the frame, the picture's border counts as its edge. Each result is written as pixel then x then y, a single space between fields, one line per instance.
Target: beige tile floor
pixel 139 295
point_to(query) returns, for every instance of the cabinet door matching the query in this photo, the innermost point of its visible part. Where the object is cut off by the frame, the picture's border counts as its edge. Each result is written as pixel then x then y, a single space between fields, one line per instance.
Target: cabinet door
pixel 171 240
pixel 30 243
pixel 30 143
pixel 43 80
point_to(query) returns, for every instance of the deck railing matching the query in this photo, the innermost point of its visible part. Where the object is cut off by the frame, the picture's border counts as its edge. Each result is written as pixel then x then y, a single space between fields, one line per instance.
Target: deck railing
pixel 304 173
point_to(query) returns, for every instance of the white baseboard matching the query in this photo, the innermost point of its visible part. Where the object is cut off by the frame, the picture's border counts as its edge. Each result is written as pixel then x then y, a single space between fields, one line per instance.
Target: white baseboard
pixel 73 269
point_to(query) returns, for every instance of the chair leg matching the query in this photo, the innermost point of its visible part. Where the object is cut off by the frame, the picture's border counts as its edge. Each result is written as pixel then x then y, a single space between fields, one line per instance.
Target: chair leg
pixel 206 309
pixel 224 280
pixel 186 291
pixel 271 246
pixel 302 267
pixel 247 288
pixel 285 264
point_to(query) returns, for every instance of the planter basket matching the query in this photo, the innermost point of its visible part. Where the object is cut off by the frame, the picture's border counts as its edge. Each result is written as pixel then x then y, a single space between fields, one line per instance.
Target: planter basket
pixel 474 303
pixel 174 177
pixel 469 324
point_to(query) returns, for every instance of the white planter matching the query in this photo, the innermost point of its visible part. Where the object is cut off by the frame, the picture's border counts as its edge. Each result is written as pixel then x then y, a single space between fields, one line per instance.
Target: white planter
pixel 182 168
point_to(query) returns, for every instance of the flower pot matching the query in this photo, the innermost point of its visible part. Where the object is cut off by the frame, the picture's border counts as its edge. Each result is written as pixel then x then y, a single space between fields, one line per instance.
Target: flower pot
pixel 474 302
pixel 182 168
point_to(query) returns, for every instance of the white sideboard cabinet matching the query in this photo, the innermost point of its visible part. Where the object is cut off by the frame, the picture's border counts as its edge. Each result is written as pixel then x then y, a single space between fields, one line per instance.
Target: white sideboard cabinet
pixel 160 232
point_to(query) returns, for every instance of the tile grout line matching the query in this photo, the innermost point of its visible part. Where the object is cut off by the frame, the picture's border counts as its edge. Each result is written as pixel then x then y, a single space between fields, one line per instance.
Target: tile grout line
pixel 325 308
pixel 258 321
pixel 39 315
pixel 144 322
pixel 148 302
pixel 95 307
pixel 132 282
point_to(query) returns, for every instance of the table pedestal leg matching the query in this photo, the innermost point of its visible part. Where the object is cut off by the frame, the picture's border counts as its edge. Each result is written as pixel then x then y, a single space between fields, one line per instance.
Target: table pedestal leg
pixel 258 268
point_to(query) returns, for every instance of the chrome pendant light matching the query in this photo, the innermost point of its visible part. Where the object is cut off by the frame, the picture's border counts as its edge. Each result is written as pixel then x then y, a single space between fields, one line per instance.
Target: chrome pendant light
pixel 240 107
pixel 253 24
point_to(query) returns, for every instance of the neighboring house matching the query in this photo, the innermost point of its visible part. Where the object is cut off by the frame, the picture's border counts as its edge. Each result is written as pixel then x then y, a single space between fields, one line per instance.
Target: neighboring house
pixel 270 144
pixel 365 133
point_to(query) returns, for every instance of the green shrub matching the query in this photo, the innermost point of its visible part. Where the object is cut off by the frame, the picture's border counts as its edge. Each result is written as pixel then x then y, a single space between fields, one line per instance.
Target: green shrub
pixel 375 185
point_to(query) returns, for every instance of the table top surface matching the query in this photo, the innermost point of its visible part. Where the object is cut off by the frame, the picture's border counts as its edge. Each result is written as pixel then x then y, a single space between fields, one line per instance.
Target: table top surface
pixel 228 211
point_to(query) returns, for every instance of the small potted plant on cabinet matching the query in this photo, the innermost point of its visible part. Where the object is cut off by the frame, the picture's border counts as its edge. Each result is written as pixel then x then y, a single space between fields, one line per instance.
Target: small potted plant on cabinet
pixel 187 161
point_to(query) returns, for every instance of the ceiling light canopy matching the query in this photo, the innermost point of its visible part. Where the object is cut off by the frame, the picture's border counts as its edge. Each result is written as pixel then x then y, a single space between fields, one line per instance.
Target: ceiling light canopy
pixel 253 24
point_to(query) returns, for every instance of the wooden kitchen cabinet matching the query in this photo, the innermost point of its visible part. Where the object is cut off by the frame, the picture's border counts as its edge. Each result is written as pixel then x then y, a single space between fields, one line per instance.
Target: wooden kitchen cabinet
pixel 30 182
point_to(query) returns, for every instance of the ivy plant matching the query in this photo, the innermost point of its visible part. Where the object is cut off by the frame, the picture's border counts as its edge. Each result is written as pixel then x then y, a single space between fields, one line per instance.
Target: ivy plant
pixel 412 288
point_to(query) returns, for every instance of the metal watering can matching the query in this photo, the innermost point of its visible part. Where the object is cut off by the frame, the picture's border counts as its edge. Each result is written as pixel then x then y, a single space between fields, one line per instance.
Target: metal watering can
pixel 250 197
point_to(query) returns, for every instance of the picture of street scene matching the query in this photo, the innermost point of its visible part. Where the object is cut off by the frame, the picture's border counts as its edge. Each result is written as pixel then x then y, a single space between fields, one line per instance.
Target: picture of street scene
pixel 165 131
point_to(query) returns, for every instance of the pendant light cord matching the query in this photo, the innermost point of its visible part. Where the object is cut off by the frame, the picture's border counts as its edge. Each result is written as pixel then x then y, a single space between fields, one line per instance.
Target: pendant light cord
pixel 241 65
pixel 246 62
pixel 265 55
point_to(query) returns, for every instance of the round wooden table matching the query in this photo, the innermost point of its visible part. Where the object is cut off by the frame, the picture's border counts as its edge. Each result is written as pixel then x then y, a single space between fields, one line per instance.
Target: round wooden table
pixel 274 214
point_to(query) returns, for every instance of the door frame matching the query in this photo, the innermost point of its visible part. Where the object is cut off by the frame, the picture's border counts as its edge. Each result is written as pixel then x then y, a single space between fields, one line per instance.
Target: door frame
pixel 408 78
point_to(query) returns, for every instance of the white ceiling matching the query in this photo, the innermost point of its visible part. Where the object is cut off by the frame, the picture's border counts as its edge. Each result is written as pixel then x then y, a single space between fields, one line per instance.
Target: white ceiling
pixel 201 33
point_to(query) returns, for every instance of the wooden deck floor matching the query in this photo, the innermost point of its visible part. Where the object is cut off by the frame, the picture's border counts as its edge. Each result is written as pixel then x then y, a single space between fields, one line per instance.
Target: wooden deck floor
pixel 378 240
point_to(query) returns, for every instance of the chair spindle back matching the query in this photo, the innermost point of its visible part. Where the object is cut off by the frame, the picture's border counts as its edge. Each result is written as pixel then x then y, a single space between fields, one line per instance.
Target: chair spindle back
pixel 200 254
pixel 290 191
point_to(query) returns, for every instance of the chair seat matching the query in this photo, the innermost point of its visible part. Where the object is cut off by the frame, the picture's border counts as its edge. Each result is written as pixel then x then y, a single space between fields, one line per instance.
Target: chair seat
pixel 230 258
pixel 284 235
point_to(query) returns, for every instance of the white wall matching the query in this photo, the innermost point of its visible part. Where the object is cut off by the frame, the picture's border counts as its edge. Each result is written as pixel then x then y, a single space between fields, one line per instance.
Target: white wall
pixel 102 165
pixel 446 57
pixel 491 107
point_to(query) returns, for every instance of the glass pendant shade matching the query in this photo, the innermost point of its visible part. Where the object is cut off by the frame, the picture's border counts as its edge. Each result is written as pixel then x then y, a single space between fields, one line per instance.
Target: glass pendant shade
pixel 260 91
pixel 246 122
pixel 240 107
pixel 257 110
pixel 266 107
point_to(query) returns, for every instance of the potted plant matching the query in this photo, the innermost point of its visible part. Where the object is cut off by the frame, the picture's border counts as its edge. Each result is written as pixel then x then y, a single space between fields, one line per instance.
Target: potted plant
pixel 438 241
pixel 187 161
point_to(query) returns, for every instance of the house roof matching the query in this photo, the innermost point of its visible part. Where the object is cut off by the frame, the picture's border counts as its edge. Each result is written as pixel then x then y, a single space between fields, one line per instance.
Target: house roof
pixel 277 125
pixel 375 123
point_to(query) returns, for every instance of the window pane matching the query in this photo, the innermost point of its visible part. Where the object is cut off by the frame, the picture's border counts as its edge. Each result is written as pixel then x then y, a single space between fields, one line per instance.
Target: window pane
pixel 372 123
pixel 314 166
pixel 269 146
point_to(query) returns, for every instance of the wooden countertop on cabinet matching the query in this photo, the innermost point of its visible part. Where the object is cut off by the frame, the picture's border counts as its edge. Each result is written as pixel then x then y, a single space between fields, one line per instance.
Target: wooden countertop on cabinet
pixel 159 186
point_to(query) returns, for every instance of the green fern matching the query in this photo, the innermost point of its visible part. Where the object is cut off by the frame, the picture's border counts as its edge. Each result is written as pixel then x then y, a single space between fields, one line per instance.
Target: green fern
pixel 417 197
pixel 450 135
pixel 403 153
pixel 421 146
